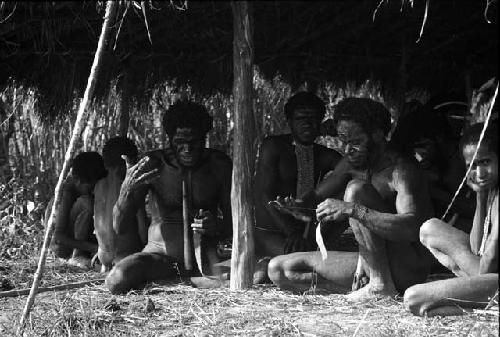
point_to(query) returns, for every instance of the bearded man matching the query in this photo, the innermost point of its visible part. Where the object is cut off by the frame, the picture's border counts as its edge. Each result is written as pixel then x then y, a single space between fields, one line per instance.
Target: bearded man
pixel 385 201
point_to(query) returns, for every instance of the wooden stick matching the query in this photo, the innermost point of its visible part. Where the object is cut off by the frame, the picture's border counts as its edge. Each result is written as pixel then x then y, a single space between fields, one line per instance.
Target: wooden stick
pixel 242 257
pixel 188 258
pixel 66 286
pixel 111 7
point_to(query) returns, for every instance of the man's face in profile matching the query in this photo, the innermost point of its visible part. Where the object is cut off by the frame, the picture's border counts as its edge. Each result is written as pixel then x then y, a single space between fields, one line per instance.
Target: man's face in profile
pixel 188 146
pixel 304 125
pixel 356 143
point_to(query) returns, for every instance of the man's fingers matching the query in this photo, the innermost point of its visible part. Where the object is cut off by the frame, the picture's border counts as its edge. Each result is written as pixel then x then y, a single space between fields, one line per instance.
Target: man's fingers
pixel 206 225
pixel 128 161
pixel 148 177
pixel 200 230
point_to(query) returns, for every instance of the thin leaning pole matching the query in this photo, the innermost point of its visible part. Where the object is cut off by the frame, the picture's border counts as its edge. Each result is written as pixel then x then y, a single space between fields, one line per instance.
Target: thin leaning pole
pixel 111 8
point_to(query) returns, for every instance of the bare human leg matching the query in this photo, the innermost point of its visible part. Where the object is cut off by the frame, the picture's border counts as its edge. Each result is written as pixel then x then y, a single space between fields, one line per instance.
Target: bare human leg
pixel 451 296
pixel 82 223
pixel 450 246
pixel 306 270
pixel 138 268
pixel 372 248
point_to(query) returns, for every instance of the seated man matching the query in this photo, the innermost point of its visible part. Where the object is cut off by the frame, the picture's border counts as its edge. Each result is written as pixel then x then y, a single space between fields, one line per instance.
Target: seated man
pixel 473 258
pixel 206 174
pixel 114 247
pixel 385 201
pixel 427 135
pixel 290 165
pixel 73 234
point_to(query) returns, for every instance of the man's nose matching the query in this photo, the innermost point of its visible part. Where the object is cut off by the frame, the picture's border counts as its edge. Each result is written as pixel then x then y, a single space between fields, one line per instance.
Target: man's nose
pixel 481 172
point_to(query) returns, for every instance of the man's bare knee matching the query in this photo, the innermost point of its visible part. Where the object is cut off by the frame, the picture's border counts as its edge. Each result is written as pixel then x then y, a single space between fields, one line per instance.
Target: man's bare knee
pixel 115 281
pixel 275 270
pixel 356 189
pixel 413 300
pixel 428 231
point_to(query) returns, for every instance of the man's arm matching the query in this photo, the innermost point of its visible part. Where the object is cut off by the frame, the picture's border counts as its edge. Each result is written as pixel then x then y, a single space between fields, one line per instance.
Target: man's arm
pixel 266 180
pixel 489 260
pixel 331 186
pixel 413 207
pixel 133 191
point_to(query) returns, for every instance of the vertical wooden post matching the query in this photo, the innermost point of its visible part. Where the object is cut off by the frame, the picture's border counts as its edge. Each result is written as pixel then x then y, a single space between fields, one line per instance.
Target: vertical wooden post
pixel 243 148
pixel 111 7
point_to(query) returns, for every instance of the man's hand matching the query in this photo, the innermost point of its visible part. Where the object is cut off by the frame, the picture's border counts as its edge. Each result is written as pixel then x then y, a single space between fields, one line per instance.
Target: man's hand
pixel 205 223
pixel 144 172
pixel 333 210
pixel 293 207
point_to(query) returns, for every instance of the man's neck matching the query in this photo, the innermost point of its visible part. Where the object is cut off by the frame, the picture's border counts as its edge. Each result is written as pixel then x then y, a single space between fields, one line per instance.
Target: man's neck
pixel 297 142
pixel 378 157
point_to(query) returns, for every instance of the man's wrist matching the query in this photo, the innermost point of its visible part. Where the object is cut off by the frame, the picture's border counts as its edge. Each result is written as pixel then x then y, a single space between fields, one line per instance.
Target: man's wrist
pixel 358 211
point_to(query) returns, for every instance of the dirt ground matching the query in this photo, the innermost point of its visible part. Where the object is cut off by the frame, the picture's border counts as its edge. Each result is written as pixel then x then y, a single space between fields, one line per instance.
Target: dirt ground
pixel 179 310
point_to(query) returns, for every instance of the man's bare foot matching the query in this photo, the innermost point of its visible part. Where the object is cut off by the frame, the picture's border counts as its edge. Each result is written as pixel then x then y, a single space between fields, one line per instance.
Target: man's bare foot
pixel 80 262
pixel 370 292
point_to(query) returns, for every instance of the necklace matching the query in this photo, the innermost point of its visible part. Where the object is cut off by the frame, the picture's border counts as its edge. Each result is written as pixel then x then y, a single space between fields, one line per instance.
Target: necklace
pixel 305 168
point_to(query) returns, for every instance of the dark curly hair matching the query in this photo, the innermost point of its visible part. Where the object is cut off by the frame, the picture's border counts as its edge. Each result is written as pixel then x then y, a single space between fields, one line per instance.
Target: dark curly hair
pixel 88 167
pixel 305 100
pixel 185 113
pixel 490 140
pixel 424 123
pixel 370 115
pixel 115 147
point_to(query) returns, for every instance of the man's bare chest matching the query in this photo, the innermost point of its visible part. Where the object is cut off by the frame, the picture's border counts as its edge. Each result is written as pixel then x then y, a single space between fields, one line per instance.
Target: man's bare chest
pixel 201 184
pixel 382 181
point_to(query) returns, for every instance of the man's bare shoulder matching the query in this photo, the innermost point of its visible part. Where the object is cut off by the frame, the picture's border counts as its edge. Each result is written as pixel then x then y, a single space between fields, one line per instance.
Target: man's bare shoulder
pixel 405 170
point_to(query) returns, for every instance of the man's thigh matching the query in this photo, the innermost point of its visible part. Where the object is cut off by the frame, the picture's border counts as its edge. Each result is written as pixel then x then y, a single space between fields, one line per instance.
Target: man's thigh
pixel 447 239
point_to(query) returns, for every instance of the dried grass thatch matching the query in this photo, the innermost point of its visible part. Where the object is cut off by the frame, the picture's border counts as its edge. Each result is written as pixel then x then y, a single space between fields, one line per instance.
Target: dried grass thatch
pixel 49 46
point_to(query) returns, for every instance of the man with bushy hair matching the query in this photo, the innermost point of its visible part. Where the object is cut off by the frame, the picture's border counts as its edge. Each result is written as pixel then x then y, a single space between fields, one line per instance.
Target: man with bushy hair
pixel 290 165
pixel 159 175
pixel 73 234
pixel 385 201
